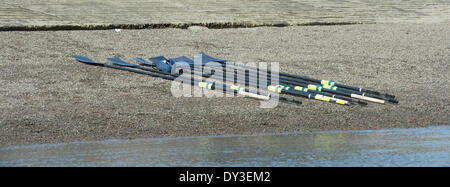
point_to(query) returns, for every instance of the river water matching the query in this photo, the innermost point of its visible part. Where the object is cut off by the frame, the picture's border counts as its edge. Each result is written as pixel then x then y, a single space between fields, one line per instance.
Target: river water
pixel 388 147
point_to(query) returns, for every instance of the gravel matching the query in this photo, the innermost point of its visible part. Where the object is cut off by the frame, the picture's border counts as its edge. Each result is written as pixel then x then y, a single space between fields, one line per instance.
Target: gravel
pixel 48 97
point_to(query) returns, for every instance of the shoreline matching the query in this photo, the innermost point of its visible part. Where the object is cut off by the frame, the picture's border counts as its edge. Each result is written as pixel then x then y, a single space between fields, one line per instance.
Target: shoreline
pixel 47 97
pixel 218 136
pixel 209 25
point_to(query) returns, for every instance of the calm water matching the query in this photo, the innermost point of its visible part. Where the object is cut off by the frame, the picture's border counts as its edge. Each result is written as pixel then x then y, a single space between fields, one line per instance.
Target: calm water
pixel 390 147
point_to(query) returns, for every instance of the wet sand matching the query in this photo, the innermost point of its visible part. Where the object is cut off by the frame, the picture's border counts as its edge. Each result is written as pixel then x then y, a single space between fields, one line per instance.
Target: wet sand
pixel 48 97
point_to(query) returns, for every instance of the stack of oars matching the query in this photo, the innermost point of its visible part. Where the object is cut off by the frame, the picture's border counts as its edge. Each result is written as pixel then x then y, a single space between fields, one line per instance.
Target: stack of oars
pixel 250 81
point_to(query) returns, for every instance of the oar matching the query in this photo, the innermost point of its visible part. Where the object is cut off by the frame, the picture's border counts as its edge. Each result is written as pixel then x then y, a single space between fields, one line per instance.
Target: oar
pixel 195 81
